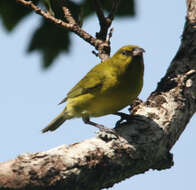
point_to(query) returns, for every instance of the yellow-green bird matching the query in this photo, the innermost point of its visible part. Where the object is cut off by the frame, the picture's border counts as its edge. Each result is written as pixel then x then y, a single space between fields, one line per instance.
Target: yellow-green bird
pixel 107 88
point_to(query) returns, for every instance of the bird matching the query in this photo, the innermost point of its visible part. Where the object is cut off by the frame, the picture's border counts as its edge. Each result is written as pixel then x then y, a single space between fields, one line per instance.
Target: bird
pixel 107 88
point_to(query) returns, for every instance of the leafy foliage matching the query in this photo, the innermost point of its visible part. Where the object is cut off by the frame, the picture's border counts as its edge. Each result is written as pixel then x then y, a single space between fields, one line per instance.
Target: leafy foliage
pixel 12 13
pixel 49 39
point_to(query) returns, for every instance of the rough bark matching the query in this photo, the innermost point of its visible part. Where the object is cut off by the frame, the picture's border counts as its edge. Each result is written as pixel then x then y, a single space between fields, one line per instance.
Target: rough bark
pixel 143 143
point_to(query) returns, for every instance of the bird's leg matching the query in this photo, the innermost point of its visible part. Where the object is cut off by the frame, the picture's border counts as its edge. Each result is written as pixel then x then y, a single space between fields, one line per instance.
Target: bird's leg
pixel 87 121
pixel 99 126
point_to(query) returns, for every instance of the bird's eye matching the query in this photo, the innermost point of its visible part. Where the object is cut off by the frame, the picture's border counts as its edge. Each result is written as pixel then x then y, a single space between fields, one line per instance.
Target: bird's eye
pixel 127 53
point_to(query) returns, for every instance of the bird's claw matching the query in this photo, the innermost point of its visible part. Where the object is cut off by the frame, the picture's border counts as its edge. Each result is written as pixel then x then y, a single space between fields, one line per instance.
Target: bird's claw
pixel 107 130
pixel 107 134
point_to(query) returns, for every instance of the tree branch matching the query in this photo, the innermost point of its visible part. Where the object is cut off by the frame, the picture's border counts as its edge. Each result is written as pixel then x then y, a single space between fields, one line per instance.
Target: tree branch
pixel 102 46
pixel 144 142
pixel 114 9
pixel 104 22
pixel 68 16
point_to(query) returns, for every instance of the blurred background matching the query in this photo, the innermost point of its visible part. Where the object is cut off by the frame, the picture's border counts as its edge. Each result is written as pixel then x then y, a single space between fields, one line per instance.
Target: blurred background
pixel 31 86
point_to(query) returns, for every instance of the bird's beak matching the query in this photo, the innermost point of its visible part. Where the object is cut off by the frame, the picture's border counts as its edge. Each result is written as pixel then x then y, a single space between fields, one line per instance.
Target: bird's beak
pixel 138 51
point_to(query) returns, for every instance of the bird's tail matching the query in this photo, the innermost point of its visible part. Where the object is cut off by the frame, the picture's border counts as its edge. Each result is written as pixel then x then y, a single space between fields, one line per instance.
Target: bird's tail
pixel 55 123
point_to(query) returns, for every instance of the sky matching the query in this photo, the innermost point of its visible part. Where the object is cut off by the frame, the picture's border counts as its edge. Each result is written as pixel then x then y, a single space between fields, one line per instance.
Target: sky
pixel 29 95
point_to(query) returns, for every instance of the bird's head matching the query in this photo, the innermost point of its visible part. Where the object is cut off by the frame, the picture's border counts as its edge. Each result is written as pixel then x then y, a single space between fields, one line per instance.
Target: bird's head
pixel 129 52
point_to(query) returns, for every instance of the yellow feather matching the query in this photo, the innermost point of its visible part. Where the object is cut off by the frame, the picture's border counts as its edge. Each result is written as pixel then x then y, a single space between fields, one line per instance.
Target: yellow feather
pixel 107 88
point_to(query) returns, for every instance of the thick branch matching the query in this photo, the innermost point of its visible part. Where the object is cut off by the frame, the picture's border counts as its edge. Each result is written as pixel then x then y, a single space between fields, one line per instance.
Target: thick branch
pixel 143 143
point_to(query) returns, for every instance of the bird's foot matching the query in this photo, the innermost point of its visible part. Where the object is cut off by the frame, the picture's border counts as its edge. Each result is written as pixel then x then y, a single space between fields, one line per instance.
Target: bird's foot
pixel 102 128
pixel 104 133
pixel 107 134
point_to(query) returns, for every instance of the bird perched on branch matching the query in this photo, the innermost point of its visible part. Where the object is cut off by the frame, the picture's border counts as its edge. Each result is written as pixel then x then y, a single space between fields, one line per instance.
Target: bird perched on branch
pixel 107 88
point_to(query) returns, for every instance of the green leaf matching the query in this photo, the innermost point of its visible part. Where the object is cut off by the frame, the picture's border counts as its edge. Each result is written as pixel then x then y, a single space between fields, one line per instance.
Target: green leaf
pixel 55 7
pixel 126 7
pixel 50 40
pixel 12 13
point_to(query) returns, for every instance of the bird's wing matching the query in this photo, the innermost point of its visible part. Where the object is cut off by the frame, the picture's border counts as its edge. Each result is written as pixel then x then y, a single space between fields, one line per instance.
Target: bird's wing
pixel 89 84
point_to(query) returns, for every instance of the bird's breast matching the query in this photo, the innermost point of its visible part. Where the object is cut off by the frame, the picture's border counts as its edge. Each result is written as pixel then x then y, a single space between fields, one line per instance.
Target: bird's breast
pixel 114 95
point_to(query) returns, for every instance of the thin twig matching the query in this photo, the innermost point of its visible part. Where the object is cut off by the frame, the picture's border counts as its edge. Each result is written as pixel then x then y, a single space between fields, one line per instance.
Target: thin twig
pixel 99 12
pixel 110 35
pixel 103 21
pixel 95 53
pixel 114 9
pixel 70 25
pixel 68 15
